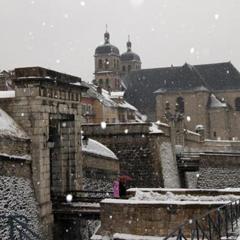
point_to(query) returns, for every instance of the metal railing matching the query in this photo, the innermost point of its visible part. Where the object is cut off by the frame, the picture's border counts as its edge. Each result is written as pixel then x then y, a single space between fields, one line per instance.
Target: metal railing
pixel 16 227
pixel 219 223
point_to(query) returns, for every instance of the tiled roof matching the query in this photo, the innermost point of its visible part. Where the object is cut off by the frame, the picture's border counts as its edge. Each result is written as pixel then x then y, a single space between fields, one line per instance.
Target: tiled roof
pixel 142 84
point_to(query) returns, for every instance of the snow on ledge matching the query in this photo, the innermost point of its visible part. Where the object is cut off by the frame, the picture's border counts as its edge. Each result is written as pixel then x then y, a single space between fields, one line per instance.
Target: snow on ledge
pixel 135 237
pixel 24 157
pixel 9 127
pixel 154 128
pixel 184 189
pixel 7 94
pixel 155 202
pixel 97 148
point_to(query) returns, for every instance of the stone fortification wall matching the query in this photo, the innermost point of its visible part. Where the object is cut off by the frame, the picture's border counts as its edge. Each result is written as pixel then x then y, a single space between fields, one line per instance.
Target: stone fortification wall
pixel 219 170
pixel 17 193
pixel 99 172
pixel 50 112
pixel 14 147
pixel 144 219
pixel 138 150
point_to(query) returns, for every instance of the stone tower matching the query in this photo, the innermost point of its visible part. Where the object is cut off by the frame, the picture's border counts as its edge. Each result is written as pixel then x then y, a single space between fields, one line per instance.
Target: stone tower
pixel 130 61
pixel 107 65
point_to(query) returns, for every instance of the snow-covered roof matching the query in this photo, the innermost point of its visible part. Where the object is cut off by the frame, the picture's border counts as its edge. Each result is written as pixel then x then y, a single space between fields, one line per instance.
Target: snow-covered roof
pixel 97 148
pixel 7 94
pixel 216 103
pixel 9 127
pixel 127 105
pixel 106 98
pixel 118 94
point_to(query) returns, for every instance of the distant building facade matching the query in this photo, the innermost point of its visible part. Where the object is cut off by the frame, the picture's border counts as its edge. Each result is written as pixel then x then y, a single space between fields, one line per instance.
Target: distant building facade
pixel 99 105
pixel 208 95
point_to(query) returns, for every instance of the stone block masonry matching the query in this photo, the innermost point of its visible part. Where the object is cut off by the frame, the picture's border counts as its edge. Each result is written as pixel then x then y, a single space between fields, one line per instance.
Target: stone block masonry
pixel 147 219
pixel 137 149
pixel 48 108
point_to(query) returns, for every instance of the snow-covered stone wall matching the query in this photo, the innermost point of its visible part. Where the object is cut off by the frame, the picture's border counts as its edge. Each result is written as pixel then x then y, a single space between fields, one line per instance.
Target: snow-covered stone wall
pixel 169 166
pixel 99 172
pixel 17 198
pixel 136 148
pixel 219 170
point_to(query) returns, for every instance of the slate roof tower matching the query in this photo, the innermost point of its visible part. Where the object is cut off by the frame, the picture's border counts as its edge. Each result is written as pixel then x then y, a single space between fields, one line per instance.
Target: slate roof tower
pixel 130 61
pixel 107 65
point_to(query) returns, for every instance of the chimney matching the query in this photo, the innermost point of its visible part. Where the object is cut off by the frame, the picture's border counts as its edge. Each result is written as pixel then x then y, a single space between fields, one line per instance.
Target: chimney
pixel 99 89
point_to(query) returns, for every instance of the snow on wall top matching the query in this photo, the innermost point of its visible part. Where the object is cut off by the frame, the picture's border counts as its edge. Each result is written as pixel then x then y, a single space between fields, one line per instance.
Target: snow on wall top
pixel 98 149
pixel 7 94
pixel 9 127
pixel 171 198
pixel 135 237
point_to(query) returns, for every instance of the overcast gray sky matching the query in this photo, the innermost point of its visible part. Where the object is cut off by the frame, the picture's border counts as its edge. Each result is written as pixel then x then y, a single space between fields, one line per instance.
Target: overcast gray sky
pixel 63 34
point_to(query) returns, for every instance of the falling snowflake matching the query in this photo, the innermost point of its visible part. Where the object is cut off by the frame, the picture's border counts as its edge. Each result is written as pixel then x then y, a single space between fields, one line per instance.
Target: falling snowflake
pixel 69 198
pixel 216 16
pixel 44 24
pixel 103 125
pixel 22 114
pixel 66 15
pixel 58 61
pixel 192 50
pixel 126 131
pixel 197 175
pixel 82 3
pixel 188 118
pixel 136 3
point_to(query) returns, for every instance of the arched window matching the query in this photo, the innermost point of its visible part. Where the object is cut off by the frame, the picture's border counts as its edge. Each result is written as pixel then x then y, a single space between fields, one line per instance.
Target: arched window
pixel 123 68
pixel 180 102
pixel 100 63
pixel 237 104
pixel 106 63
pixel 129 68
pixel 100 82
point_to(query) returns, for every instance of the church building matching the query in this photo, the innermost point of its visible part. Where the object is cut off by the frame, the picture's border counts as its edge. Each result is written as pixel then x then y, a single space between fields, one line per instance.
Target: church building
pixel 208 95
pixel 111 66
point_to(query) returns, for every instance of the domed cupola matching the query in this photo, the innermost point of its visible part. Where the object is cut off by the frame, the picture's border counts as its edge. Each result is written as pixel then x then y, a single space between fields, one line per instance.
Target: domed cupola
pixel 107 65
pixel 129 55
pixel 106 48
pixel 130 60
